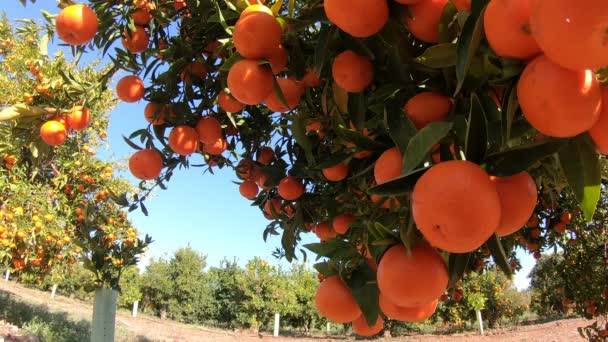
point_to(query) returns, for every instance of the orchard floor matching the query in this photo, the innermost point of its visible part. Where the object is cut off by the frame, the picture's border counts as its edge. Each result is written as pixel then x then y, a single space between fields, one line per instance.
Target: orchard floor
pixel 152 329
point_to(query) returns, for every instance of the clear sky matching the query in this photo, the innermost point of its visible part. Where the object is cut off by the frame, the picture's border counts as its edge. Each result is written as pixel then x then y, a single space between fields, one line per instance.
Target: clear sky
pixel 205 211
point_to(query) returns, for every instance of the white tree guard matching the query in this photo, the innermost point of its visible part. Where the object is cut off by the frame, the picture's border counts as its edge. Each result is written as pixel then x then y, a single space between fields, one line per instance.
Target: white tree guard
pixel 104 315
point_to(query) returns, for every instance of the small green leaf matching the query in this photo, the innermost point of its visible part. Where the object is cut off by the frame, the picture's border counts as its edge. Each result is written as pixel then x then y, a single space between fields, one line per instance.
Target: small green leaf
pixel 582 169
pixel 399 126
pixel 438 56
pixel 364 288
pixel 498 254
pixel 514 161
pixel 398 186
pixel 420 145
pixel 476 143
pixel 467 45
pixel 457 264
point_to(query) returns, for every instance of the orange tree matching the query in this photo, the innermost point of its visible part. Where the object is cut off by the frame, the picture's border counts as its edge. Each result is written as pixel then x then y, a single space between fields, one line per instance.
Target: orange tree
pixel 406 134
pixel 59 204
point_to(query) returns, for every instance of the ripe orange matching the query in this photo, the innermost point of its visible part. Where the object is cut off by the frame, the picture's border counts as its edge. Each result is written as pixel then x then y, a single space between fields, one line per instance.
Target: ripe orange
pixel 249 82
pixel 208 129
pixel 599 131
pixel 352 72
pixel 76 24
pixel 335 301
pixel 387 202
pixel 141 17
pixel 291 93
pixel 361 328
pixel 324 231
pixel 272 207
pixel 311 79
pixel 565 217
pixel 388 166
pixel 462 5
pixel 261 179
pixel 407 314
pixel 427 275
pixel 407 2
pixel 229 104
pixel 136 42
pixel 53 133
pixel 424 21
pixel 556 101
pixel 427 107
pixel 146 164
pixel 336 173
pixel 456 206
pixel 341 223
pixel 533 222
pixel 507 27
pixel 278 58
pixel 246 170
pixel 291 188
pixel 359 18
pixel 183 140
pixel 572 34
pixel 265 155
pixel 248 189
pixel 216 147
pixel 256 34
pixel 193 71
pixel 518 195
pixel 130 88
pixel 155 113
pixel 79 118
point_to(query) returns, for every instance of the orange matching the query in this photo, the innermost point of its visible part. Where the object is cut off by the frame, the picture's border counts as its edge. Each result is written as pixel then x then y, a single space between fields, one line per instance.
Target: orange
pixel 256 34
pixel 141 17
pixel 193 71
pixel 246 170
pixel 291 93
pixel 423 19
pixel 311 79
pixel 427 107
pixel 216 147
pixel 507 27
pixel 336 173
pixel 130 88
pixel 352 72
pixel 272 207
pixel 456 206
pixel 558 102
pixel 261 178
pixel 146 164
pixel 426 280
pixel 76 24
pixel 265 155
pixel 155 113
pixel 278 59
pixel 565 217
pixel 599 131
pixel 462 5
pixel 407 314
pixel 359 18
pixel 249 82
pixel 361 328
pixel 572 34
pixel 291 188
pixel 387 202
pixel 228 104
pixel 314 126
pixel 79 118
pixel 335 301
pixel 137 41
pixel 53 133
pixel 248 189
pixel 407 2
pixel 208 129
pixel 518 195
pixel 255 8
pixel 341 223
pixel 388 166
pixel 324 231
pixel 183 140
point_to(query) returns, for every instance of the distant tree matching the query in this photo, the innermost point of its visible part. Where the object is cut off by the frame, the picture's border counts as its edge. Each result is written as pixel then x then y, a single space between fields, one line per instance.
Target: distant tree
pixel 303 313
pixel 157 287
pixel 227 292
pixel 130 285
pixel 547 286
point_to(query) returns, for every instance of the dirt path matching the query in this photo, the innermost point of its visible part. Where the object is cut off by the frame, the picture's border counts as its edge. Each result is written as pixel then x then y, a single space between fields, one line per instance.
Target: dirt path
pixel 152 329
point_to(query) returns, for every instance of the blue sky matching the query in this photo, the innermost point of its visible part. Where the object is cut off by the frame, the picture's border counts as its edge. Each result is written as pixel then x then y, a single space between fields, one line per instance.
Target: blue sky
pixel 205 211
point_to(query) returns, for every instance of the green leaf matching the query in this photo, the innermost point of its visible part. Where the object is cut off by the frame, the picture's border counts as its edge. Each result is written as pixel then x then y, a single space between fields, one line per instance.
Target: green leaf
pixel 582 169
pixel 359 139
pixel 509 112
pixel 498 254
pixel 20 111
pixel 398 125
pixel 420 145
pixel 356 109
pixel 333 160
pixel 476 143
pixel 325 268
pixel 130 143
pixel 298 130
pixel 467 45
pixel 322 48
pixel 289 242
pixel 514 161
pixel 398 186
pixel 438 56
pixel 364 288
pixel 457 264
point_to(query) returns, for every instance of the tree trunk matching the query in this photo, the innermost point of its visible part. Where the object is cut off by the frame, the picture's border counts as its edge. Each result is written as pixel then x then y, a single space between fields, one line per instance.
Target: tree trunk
pixel 163 312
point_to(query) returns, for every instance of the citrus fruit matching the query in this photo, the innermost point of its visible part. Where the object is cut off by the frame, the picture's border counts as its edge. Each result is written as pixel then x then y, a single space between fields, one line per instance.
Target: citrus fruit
pixel 183 140
pixel 208 129
pixel 599 131
pixel 518 194
pixel 76 24
pixel 291 188
pixel 291 93
pixel 324 231
pixel 136 42
pixel 256 34
pixel 249 82
pixel 361 328
pixel 146 164
pixel 336 173
pixel 193 71
pixel 130 88
pixel 388 166
pixel 423 19
pixel 78 118
pixel 265 155
pixel 427 107
pixel 228 103
pixel 53 133
pixel 352 72
pixel 335 301
pixel 407 314
pixel 359 18
pixel 341 223
pixel 248 189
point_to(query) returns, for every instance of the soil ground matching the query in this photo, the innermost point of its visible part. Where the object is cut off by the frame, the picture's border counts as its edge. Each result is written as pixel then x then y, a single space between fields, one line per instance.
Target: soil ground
pixel 152 329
